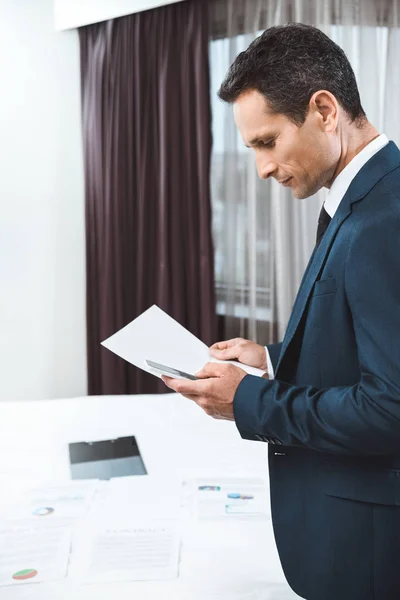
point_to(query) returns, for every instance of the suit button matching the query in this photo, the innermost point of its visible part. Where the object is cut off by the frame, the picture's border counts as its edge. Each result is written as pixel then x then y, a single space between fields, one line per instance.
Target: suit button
pixel 259 437
pixel 278 442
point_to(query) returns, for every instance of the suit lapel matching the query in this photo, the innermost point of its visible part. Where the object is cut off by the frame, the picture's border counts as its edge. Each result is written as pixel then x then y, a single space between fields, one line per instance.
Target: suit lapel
pixel 314 268
pixel 379 165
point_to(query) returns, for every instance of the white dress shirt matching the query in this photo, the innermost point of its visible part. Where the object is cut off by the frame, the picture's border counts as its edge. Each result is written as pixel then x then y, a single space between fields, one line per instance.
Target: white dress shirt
pixel 338 189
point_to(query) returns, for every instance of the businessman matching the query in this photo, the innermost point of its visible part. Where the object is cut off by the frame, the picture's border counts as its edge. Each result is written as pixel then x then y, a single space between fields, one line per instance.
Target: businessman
pixel 330 409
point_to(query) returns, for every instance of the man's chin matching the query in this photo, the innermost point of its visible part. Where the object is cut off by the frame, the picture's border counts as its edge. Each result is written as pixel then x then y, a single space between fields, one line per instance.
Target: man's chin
pixel 302 194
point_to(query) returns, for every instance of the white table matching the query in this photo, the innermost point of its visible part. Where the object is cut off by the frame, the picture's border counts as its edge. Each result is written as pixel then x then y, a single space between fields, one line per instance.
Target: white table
pixel 174 436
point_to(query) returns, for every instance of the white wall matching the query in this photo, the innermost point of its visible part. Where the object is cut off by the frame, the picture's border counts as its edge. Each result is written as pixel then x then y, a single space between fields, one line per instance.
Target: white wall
pixel 75 13
pixel 42 257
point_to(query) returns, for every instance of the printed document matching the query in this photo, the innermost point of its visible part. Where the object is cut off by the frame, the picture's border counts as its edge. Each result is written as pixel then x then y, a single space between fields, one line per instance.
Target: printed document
pixel 230 498
pixel 156 336
pixel 33 554
pixel 53 505
pixel 146 551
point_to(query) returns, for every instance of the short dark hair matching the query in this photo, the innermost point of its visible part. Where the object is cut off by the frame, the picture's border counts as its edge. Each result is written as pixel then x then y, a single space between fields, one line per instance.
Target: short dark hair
pixel 287 64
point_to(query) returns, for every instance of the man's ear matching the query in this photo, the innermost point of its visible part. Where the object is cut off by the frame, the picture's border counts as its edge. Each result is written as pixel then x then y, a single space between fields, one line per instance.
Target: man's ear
pixel 325 105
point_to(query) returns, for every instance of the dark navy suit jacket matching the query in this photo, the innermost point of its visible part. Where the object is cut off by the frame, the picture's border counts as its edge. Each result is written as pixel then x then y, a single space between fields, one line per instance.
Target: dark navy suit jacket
pixel 332 414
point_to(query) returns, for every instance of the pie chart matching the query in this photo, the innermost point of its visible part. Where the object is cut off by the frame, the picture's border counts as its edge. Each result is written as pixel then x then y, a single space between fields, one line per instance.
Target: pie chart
pixel 25 574
pixel 42 511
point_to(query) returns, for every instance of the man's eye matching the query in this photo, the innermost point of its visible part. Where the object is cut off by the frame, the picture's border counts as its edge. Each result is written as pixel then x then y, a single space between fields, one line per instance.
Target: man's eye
pixel 269 144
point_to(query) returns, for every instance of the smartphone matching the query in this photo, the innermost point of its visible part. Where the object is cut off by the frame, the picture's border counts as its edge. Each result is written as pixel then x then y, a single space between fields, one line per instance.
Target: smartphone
pixel 169 371
pixel 106 458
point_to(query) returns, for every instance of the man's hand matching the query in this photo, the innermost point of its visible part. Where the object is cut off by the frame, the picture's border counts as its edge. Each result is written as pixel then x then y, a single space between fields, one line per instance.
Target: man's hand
pixel 215 390
pixel 246 352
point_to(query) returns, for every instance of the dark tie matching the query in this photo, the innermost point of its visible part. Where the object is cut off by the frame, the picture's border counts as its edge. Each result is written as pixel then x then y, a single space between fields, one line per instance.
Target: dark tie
pixel 323 221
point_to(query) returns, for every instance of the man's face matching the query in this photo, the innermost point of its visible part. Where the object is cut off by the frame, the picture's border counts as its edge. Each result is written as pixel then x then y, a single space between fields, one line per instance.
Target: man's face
pixel 302 158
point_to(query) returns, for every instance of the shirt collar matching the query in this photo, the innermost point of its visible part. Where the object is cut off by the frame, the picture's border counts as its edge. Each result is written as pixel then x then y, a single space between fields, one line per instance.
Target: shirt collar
pixel 345 177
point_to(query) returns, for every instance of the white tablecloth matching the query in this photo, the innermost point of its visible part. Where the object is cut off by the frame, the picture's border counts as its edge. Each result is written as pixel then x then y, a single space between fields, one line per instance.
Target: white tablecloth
pixel 175 437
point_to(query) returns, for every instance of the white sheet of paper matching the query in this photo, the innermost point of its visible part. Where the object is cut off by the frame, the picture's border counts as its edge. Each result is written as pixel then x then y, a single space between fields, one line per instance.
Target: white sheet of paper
pixel 48 504
pixel 156 336
pixel 230 498
pixel 33 554
pixel 146 551
pixel 127 500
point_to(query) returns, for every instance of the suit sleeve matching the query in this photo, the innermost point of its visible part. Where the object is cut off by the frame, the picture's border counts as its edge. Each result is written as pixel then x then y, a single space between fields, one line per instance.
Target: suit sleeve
pixel 359 419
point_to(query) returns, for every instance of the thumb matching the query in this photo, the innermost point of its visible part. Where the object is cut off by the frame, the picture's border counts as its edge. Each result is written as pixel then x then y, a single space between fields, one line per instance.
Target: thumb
pixel 211 369
pixel 226 354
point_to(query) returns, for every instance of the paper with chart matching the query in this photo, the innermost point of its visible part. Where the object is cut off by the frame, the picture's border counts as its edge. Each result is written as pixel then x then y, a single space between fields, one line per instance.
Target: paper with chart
pixel 145 551
pixel 33 554
pixel 57 505
pixel 156 336
pixel 230 498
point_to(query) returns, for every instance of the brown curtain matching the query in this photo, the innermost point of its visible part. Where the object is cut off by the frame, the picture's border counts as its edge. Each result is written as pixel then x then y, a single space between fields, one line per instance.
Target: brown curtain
pixel 147 143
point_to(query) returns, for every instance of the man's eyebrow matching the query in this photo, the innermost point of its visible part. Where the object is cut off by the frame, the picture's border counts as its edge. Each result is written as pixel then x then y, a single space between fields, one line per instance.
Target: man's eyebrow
pixel 262 139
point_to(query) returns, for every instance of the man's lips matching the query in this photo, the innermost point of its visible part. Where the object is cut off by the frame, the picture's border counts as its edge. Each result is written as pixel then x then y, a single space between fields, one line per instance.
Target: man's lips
pixel 285 181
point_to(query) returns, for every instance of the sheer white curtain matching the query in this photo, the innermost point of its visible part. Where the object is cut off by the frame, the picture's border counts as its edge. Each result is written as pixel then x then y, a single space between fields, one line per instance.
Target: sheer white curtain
pixel 263 237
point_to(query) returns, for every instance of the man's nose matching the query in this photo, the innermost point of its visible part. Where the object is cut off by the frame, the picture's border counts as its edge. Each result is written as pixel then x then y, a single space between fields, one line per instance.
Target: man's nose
pixel 265 167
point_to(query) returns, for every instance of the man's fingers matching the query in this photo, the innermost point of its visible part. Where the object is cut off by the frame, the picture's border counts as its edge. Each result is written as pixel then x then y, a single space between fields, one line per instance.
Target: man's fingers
pixel 193 398
pixel 211 369
pixel 225 344
pixel 174 384
pixel 226 354
pixel 219 346
pixel 184 386
pixel 202 374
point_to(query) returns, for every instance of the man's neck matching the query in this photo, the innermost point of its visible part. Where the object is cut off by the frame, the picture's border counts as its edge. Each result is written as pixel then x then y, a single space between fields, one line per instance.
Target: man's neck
pixel 355 140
